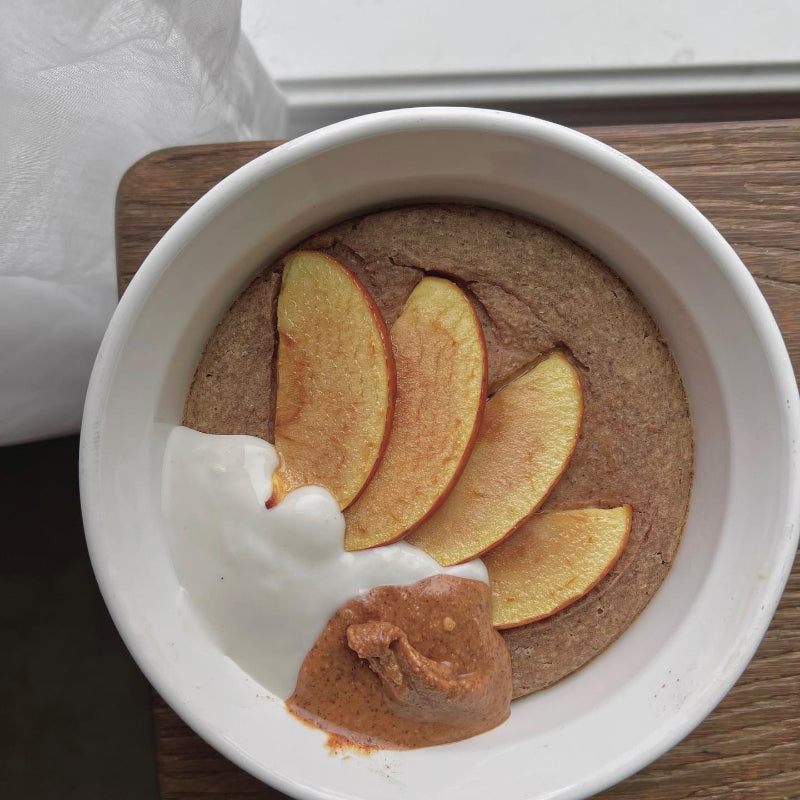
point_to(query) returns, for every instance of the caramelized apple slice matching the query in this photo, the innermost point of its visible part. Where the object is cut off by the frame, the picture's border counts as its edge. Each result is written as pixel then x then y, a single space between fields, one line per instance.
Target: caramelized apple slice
pixel 440 356
pixel 552 560
pixel 336 379
pixel 527 436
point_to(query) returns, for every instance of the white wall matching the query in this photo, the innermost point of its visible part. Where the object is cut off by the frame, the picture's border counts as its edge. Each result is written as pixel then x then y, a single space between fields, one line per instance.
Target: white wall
pixel 334 58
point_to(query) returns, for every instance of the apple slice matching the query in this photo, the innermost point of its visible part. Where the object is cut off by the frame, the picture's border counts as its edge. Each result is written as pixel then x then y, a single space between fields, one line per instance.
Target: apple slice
pixel 440 356
pixel 552 560
pixel 529 430
pixel 336 379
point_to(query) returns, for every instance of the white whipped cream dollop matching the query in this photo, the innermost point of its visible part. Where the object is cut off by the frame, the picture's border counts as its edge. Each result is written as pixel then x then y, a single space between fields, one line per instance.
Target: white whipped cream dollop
pixel 264 582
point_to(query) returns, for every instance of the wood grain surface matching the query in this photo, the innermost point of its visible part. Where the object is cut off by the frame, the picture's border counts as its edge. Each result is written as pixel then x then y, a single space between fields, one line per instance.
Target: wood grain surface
pixel 745 177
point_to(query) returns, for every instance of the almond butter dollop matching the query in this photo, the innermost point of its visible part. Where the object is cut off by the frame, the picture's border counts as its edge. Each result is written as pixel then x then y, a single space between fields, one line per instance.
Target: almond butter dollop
pixel 408 666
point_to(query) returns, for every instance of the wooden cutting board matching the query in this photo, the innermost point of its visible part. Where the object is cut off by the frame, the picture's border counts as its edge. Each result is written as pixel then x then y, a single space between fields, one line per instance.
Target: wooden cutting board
pixel 745 177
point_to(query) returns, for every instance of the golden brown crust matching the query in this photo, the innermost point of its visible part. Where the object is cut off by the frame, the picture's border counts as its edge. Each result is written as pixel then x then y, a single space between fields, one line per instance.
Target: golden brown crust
pixel 536 290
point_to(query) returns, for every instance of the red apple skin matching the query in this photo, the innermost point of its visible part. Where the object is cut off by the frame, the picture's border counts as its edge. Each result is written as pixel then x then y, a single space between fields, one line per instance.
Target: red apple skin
pixel 527 437
pixel 333 414
pixel 441 362
pixel 560 554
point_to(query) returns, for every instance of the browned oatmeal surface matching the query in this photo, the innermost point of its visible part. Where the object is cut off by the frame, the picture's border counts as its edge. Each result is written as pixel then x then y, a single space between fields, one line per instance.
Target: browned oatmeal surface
pixel 534 290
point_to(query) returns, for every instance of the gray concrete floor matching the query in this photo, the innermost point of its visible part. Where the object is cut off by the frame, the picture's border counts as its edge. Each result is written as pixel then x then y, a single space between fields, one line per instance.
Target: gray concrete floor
pixel 74 708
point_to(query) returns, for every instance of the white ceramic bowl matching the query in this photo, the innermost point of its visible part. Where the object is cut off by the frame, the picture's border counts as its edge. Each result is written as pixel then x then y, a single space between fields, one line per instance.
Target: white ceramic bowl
pixel 695 638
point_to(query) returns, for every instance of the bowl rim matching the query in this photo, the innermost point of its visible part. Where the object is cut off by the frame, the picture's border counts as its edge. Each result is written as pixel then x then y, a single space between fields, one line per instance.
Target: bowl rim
pixel 440 119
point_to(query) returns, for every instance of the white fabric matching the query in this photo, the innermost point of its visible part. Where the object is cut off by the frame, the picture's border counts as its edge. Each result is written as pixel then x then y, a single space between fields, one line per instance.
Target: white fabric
pixel 87 87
